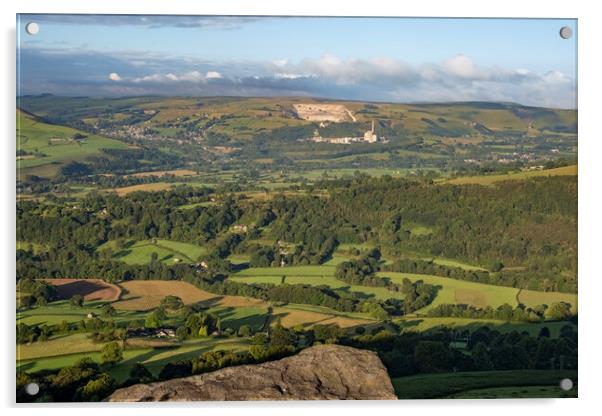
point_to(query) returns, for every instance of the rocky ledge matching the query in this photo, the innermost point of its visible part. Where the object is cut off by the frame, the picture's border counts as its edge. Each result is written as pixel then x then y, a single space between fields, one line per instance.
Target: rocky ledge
pixel 323 372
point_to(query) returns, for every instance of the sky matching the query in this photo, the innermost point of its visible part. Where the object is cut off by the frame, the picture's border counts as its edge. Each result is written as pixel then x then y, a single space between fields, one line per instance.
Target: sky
pixel 372 59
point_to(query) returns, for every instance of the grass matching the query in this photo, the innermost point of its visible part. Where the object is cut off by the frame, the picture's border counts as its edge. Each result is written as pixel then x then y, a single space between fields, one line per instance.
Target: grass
pixel 423 324
pixel 320 270
pixel 532 297
pixel 491 179
pixel 146 187
pixel 239 258
pixel 154 359
pixel 140 252
pixel 313 280
pixel 460 291
pixel 433 386
pixel 56 144
pixel 60 345
pixel 525 392
pixel 57 312
pixel 456 263
pixel 234 318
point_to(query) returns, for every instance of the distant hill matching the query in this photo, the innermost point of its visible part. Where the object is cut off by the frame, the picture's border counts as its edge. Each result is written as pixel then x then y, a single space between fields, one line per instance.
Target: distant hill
pixel 43 148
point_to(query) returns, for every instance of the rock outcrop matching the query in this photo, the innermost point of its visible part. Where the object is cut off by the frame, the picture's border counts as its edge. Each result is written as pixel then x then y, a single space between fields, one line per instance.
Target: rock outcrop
pixel 323 372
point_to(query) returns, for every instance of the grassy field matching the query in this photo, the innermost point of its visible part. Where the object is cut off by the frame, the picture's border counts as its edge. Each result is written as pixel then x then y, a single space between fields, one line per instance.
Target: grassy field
pixel 168 252
pixel 153 358
pixel 57 312
pixel 491 179
pixel 480 295
pixel 234 318
pixel 452 291
pixel 433 386
pixel 423 324
pixel 331 281
pixel 54 145
pixel 456 263
pixel 318 271
pixel 146 187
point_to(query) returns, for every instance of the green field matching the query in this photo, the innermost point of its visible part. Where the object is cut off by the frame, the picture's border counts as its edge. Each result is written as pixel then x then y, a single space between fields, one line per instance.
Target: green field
pixel 331 281
pixel 478 294
pixel 57 312
pixel 320 270
pixel 434 386
pixel 56 144
pixel 235 317
pixel 423 324
pixel 140 252
pixel 451 291
pixel 153 358
pixel 491 179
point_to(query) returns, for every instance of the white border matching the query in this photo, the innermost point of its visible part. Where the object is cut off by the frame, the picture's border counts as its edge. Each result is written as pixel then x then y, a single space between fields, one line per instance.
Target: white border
pixel 590 151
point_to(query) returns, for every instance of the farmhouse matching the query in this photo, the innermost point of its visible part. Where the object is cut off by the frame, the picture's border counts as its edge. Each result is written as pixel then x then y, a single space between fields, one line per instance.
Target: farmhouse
pixel 151 333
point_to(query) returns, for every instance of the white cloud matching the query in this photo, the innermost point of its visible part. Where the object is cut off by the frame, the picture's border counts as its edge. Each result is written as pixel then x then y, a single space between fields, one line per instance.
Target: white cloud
pixel 461 66
pixel 213 74
pixel 114 76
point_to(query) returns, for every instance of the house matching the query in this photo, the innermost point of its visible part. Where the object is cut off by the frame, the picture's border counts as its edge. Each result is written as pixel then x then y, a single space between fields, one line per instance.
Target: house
pixel 240 228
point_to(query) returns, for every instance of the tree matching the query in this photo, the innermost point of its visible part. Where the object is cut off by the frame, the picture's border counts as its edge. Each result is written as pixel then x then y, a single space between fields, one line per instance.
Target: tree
pixel 140 373
pixel 244 331
pixel 558 311
pixel 154 257
pixel 182 333
pixel 497 266
pixel 112 353
pixel 99 388
pixel 172 302
pixel 77 301
pixel 432 357
pixel 108 310
pixel 152 321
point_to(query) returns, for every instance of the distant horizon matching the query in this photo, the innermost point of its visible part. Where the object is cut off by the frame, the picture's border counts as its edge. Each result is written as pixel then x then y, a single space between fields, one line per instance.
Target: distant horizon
pixel 300 97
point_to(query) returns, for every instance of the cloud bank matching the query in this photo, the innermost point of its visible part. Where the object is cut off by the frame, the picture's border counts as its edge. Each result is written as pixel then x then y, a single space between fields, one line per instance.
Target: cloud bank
pixel 457 78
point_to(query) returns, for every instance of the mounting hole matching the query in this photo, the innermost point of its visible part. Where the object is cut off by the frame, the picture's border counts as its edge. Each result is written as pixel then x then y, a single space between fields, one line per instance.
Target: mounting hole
pixel 32 28
pixel 32 389
pixel 566 384
pixel 566 32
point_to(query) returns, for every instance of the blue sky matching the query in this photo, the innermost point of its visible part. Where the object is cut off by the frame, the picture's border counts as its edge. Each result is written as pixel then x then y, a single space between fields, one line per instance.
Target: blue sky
pixel 379 59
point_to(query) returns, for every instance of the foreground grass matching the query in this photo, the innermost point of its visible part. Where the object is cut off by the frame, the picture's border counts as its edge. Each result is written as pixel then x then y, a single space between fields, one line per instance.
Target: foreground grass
pixel 433 386
pixel 526 392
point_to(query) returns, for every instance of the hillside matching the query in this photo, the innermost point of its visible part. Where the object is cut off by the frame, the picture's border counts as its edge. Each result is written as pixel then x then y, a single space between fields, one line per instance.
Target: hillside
pixel 279 133
pixel 43 148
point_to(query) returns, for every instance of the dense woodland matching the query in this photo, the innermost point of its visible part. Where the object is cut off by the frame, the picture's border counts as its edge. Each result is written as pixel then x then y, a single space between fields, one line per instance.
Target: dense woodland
pixel 525 231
